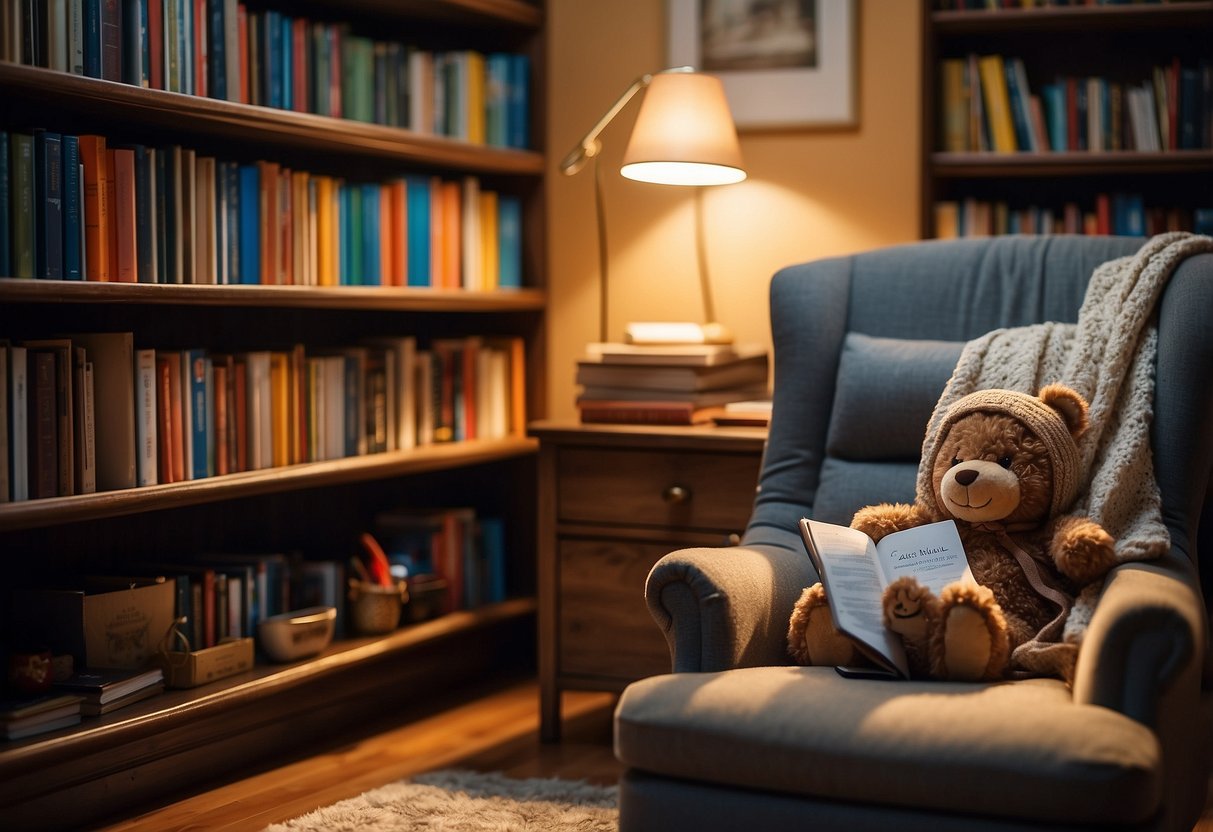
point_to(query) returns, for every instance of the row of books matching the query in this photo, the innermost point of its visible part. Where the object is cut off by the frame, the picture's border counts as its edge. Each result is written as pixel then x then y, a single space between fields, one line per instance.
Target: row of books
pixel 83 692
pixel 987 104
pixel 221 49
pixel 668 383
pixel 1124 214
pixel 90 412
pixel 78 208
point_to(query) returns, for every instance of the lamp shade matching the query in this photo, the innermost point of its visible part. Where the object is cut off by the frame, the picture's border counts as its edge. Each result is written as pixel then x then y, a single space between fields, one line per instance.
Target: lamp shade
pixel 684 134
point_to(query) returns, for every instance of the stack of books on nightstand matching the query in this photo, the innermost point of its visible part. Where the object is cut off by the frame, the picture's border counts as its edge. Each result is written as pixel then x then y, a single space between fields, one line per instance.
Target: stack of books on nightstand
pixel 675 384
pixel 37 714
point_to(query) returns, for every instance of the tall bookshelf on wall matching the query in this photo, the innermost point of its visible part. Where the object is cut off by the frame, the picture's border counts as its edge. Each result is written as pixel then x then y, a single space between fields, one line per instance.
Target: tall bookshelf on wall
pixel 1067 117
pixel 442 118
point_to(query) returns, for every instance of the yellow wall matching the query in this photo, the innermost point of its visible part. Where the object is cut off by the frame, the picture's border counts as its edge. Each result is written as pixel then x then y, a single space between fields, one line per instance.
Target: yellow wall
pixel 809 193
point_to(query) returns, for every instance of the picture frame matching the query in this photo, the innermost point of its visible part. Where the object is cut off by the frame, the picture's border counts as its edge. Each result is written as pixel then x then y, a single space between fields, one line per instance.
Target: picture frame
pixel 784 64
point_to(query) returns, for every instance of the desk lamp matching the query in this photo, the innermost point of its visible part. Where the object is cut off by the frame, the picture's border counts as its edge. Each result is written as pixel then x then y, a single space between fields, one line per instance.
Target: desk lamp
pixel 684 135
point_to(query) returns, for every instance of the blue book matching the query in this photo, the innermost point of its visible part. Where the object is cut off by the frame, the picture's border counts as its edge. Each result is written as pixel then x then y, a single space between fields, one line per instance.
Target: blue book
pixel 216 70
pixel 509 242
pixel 196 361
pixel 92 38
pixel 287 47
pixel 273 59
pixel 496 95
pixel 1018 99
pixel 73 229
pixel 133 36
pixel 145 214
pixel 492 544
pixel 5 239
pixel 417 197
pixel 48 205
pixel 1053 99
pixel 371 274
pixel 518 123
pixel 250 224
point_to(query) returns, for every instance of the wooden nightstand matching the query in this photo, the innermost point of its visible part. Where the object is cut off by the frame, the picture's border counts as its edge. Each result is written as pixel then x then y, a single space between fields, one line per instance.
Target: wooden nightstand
pixel 613 499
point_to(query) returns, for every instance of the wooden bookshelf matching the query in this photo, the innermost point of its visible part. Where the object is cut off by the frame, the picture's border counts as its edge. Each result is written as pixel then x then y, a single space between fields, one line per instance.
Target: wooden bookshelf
pixel 123 759
pixel 1121 43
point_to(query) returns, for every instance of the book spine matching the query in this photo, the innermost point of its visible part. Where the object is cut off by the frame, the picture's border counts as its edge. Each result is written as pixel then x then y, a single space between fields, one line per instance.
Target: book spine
pixel 198 409
pixel 145 215
pixel 23 234
pixel 146 418
pixel 124 215
pixel 111 40
pixel 43 426
pixel 18 397
pixel 73 263
pixel 6 248
pixel 96 207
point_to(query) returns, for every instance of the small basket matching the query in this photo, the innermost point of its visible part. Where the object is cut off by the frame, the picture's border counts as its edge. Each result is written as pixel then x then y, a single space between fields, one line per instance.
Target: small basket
pixel 374 608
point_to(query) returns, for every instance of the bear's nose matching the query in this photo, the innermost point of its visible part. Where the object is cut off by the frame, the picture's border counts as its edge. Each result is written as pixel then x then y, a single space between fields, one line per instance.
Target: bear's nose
pixel 966 477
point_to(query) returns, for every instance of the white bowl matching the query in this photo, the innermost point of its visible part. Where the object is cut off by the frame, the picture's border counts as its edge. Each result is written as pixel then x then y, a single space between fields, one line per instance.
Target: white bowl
pixel 297 634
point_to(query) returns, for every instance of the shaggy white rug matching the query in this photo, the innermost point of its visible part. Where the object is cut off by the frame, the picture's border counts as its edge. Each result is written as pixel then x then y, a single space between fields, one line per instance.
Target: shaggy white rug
pixel 467 801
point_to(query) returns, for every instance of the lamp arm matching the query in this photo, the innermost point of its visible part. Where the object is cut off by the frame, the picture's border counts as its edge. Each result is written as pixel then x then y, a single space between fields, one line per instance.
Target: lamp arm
pixel 589 146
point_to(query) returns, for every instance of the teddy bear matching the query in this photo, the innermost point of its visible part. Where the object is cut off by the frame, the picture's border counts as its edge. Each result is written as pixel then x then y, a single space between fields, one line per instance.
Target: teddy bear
pixel 1005 466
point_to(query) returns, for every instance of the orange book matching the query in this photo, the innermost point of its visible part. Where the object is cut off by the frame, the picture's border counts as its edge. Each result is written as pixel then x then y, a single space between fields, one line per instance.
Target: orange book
pixel 220 387
pixel 269 221
pixel 297 388
pixel 386 240
pixel 111 246
pixel 96 207
pixel 489 263
pixel 517 387
pixel 301 235
pixel 164 420
pixel 437 250
pixel 326 242
pixel 452 236
pixel 124 215
pixel 286 227
pixel 280 408
pixel 399 232
pixel 176 428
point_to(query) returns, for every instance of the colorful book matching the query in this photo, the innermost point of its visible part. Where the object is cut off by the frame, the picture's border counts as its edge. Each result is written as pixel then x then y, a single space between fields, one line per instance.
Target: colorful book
pixel 419 232
pixel 124 215
pixel 509 242
pixel 93 158
pixel 73 206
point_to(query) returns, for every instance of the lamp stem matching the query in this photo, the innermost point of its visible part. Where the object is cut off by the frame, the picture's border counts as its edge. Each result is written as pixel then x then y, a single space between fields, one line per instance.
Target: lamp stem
pixel 705 286
pixel 600 216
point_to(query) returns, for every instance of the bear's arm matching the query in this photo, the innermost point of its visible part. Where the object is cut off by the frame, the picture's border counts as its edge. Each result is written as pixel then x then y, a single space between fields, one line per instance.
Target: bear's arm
pixel 1081 549
pixel 883 519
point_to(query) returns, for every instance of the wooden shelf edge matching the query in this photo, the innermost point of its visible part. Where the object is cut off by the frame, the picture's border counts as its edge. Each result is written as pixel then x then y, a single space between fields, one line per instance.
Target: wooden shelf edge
pixel 1062 18
pixel 55 511
pixel 265 124
pixel 381 298
pixel 182 707
pixel 1080 163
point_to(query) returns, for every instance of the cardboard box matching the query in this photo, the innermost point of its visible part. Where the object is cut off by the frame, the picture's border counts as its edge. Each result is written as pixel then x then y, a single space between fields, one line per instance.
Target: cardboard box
pixel 188 670
pixel 120 628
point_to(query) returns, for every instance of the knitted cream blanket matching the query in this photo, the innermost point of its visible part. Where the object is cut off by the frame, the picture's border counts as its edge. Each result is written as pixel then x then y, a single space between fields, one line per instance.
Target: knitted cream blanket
pixel 1108 357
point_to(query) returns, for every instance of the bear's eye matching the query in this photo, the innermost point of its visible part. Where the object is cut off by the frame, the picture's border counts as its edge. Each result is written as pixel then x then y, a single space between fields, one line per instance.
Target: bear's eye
pixel 955 462
pixel 1004 461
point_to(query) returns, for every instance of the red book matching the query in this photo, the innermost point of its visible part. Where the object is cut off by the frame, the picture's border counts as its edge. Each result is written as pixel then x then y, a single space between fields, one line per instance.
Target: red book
pixel 155 43
pixel 96 207
pixel 201 19
pixel 164 420
pixel 299 66
pixel 397 208
pixel 124 216
pixel 269 221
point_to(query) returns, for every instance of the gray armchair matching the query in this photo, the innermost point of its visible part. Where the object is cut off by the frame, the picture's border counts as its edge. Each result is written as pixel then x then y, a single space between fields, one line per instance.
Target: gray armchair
pixel 737 737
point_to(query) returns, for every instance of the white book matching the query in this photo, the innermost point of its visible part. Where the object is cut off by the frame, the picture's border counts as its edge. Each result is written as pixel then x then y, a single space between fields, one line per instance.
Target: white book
pixel 260 415
pixel 146 459
pixel 471 263
pixel 18 374
pixel 75 38
pixel 112 355
pixel 56 34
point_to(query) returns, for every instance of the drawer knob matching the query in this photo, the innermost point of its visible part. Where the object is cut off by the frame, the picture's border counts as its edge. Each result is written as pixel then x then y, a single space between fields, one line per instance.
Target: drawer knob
pixel 676 494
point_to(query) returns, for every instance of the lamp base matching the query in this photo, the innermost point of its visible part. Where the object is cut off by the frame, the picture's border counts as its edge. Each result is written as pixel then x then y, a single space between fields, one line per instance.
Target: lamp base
pixel 676 332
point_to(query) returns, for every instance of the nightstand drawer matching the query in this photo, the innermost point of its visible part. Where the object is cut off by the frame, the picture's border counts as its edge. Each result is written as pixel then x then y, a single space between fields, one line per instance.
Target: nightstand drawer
pixel 606 630
pixel 687 490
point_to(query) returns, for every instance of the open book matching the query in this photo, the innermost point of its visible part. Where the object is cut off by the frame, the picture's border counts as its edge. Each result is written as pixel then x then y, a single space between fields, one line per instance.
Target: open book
pixel 855 572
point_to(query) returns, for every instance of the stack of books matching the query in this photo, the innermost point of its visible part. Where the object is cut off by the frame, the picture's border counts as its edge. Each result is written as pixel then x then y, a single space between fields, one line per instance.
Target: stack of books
pixel 102 691
pixel 672 384
pixel 25 717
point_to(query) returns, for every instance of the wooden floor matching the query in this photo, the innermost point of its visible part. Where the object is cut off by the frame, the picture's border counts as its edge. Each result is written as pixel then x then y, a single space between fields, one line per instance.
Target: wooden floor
pixel 497 730
pixel 494 729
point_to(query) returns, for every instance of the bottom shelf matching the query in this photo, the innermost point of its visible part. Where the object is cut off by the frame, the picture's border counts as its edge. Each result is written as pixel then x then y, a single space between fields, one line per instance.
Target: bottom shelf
pixel 129 757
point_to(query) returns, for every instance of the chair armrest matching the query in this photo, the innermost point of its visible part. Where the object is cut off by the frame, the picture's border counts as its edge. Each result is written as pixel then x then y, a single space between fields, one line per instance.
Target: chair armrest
pixel 1144 649
pixel 727 608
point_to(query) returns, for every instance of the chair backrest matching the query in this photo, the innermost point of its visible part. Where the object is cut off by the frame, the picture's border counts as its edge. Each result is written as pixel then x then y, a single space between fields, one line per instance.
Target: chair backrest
pixel 864 344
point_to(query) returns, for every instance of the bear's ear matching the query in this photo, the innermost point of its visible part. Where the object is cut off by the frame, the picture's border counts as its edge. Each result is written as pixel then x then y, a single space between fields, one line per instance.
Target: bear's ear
pixel 1071 406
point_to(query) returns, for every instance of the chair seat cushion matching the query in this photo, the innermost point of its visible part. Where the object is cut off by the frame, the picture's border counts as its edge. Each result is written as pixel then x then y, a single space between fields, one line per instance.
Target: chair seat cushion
pixel 1019 749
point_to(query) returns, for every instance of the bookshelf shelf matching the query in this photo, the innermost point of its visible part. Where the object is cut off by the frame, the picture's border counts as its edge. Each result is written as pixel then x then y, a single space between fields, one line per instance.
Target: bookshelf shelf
pixel 186 733
pixel 382 298
pixel 1124 58
pixel 265 125
pixel 59 510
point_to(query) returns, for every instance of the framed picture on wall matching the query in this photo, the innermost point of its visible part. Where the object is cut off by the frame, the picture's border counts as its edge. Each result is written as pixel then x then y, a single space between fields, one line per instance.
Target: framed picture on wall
pixel 783 63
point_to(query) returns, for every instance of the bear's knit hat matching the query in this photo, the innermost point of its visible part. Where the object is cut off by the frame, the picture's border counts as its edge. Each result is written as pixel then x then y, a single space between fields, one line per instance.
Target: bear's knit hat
pixel 1043 420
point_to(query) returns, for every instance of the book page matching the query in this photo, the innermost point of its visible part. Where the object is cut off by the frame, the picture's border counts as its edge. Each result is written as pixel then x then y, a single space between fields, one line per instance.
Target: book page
pixel 848 564
pixel 932 553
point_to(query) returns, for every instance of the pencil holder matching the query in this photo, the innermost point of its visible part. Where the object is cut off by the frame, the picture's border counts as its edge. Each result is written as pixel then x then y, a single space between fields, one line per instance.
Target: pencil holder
pixel 375 608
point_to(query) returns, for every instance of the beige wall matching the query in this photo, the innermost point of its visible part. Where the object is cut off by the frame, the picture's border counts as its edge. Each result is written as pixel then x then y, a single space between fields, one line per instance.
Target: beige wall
pixel 809 193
